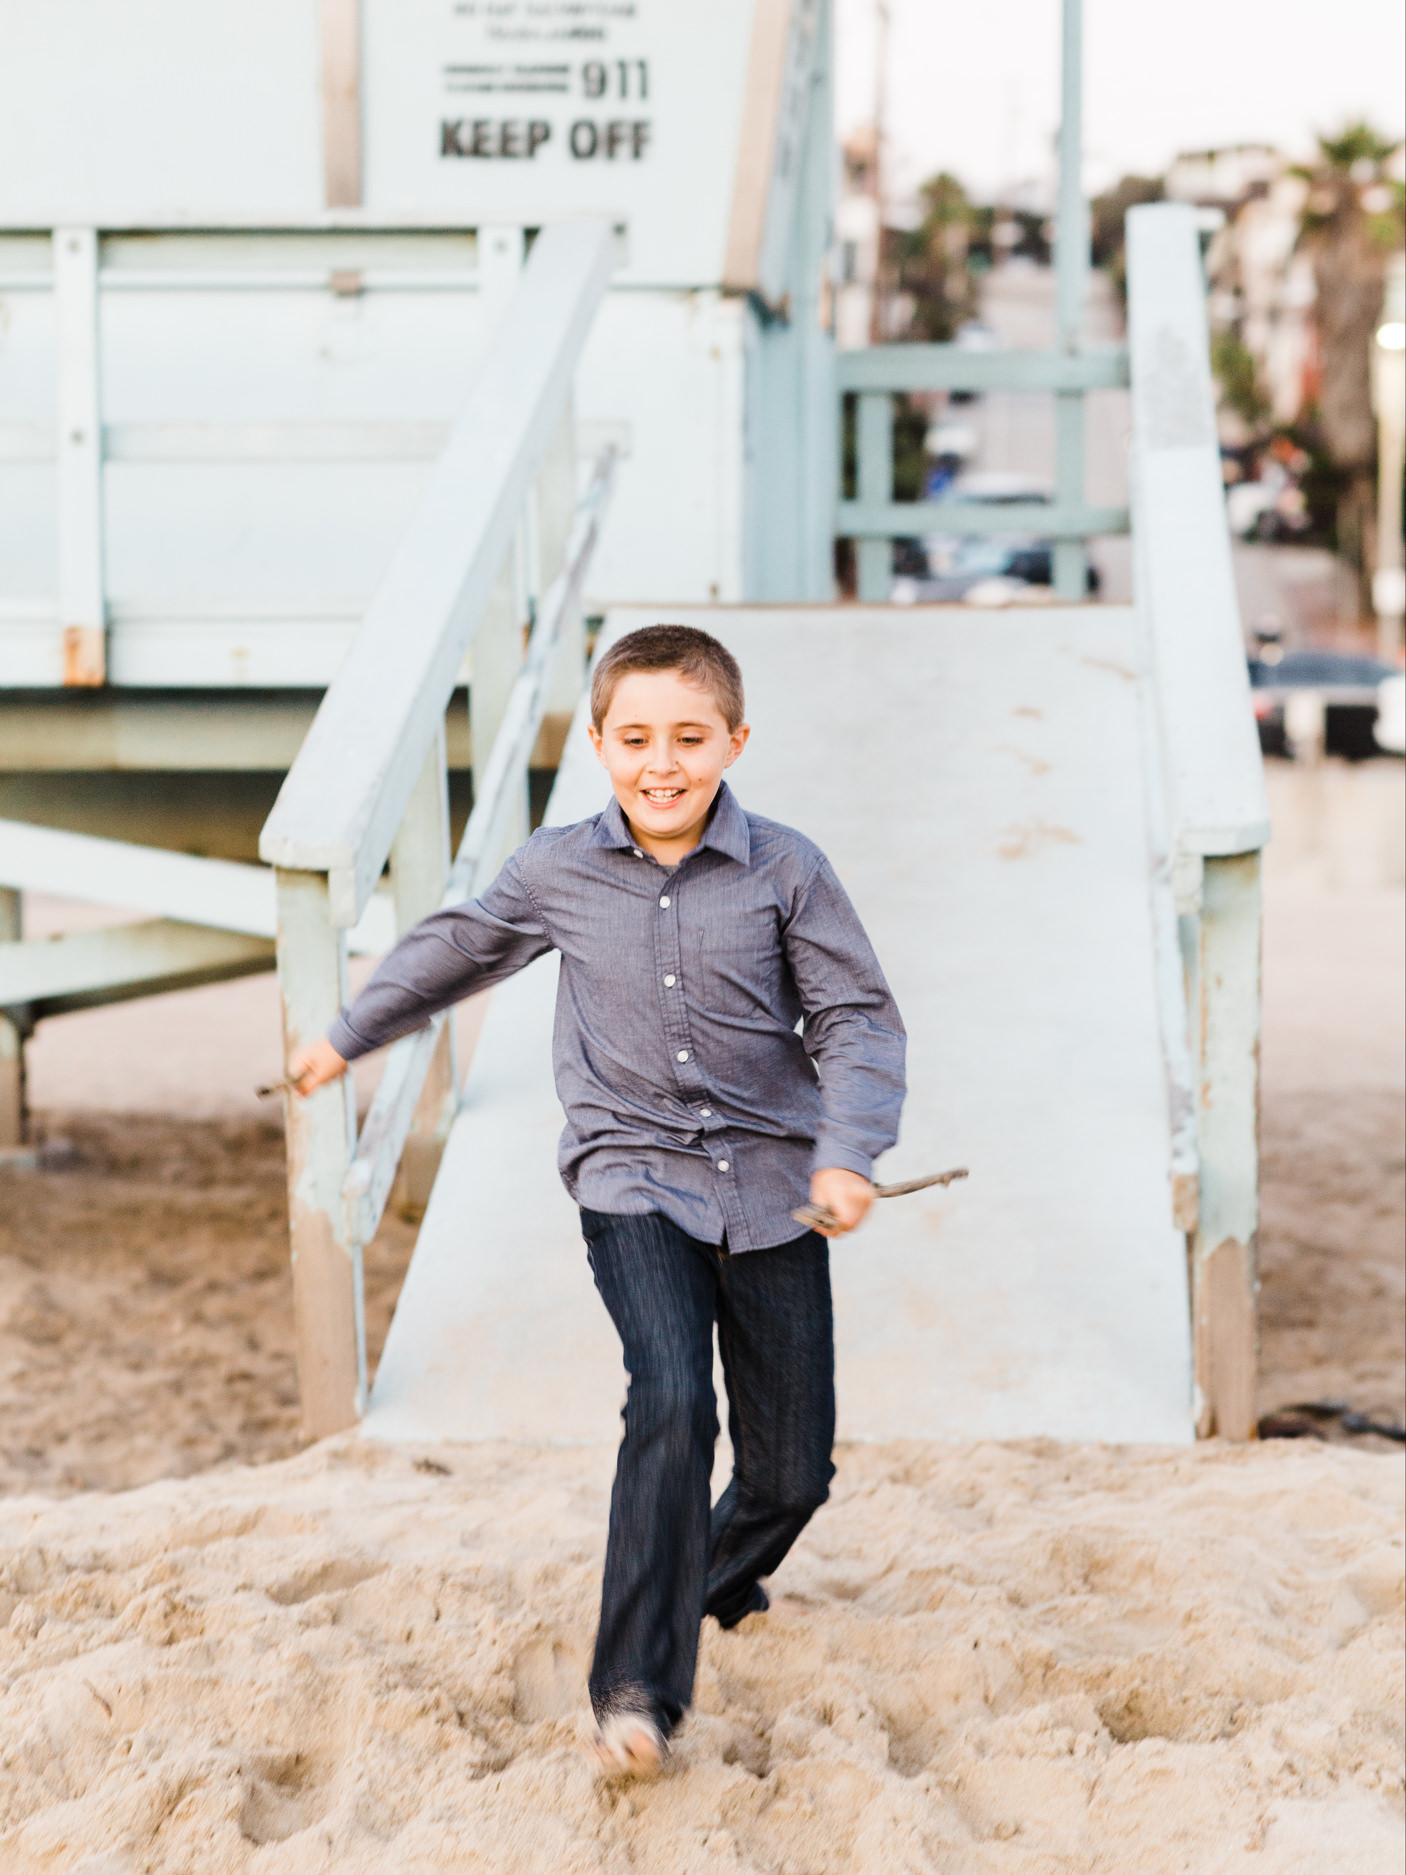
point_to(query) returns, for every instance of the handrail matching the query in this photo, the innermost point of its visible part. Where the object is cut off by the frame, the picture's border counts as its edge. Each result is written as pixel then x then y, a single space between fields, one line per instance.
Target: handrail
pixel 342 802
pixel 370 782
pixel 874 519
pixel 387 1126
pixel 1054 520
pixel 1184 577
pixel 1207 807
pixel 958 368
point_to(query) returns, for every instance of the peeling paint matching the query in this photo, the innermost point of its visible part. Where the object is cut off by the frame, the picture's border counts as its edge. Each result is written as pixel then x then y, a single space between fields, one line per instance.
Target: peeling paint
pixel 1025 842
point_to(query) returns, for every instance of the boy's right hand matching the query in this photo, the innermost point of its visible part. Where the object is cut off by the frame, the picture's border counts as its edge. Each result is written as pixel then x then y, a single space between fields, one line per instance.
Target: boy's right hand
pixel 314 1066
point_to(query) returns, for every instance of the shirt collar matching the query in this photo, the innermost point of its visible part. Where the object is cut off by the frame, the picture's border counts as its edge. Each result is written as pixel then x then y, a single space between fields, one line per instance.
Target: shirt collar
pixel 727 831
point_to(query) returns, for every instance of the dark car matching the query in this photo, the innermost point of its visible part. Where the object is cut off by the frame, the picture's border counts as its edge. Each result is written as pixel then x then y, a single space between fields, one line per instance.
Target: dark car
pixel 1323 697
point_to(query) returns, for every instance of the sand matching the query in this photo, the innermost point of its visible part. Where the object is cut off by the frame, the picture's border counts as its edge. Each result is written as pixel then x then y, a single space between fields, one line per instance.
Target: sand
pixel 220 1654
pixel 1004 1659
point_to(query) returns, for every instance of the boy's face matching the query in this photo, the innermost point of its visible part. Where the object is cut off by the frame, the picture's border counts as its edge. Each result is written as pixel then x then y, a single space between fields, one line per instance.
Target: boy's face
pixel 665 744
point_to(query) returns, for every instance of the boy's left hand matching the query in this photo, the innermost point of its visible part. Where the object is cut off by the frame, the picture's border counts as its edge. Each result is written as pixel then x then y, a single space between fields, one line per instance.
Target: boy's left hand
pixel 844 1193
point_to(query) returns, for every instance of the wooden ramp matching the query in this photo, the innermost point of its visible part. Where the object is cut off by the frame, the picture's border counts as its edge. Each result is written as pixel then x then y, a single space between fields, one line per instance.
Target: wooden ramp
pixel 977 778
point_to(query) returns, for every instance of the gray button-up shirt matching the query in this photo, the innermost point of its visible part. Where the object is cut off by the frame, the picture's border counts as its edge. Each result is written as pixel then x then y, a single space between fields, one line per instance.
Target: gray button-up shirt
pixel 722 1027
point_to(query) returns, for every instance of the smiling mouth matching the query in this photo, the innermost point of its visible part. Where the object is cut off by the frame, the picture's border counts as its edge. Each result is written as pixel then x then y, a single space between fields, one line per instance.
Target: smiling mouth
pixel 662 797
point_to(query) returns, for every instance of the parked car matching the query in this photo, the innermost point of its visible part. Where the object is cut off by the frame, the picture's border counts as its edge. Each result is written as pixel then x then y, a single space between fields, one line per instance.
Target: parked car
pixel 1390 726
pixel 1317 702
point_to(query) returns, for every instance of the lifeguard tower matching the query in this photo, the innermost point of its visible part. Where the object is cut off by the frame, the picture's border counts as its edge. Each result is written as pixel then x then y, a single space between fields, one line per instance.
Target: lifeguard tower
pixel 351 356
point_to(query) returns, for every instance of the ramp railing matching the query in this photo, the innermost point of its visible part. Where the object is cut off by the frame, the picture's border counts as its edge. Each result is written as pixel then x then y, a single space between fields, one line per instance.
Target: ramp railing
pixel 1209 780
pixel 874 520
pixel 496 553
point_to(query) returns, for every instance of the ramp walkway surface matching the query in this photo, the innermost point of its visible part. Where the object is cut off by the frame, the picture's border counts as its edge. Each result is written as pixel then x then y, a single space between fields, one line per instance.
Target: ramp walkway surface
pixel 977 779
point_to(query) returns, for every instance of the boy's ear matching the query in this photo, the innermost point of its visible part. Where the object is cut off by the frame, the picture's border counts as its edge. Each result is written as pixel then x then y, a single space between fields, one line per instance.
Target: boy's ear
pixel 736 743
pixel 597 741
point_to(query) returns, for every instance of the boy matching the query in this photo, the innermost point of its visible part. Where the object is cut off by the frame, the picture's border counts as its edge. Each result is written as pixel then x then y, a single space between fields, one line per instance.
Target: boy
pixel 695 938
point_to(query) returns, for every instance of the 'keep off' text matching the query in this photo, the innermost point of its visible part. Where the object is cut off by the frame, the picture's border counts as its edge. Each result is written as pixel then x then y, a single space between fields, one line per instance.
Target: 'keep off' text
pixel 519 139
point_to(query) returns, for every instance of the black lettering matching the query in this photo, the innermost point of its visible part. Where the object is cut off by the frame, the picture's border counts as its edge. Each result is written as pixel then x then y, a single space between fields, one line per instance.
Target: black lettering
pixel 639 138
pixel 482 144
pixel 585 139
pixel 510 141
pixel 449 144
pixel 537 134
pixel 616 134
pixel 593 79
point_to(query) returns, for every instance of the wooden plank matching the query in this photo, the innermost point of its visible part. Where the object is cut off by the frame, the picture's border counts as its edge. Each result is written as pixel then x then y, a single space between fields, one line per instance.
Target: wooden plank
pixel 1225 1002
pixel 756 144
pixel 1215 775
pixel 1050 520
pixel 219 893
pixel 328 1305
pixel 130 732
pixel 81 606
pixel 12 1036
pixel 874 438
pixel 340 28
pixel 955 368
pixel 84 969
pixel 419 863
pixel 367 441
pixel 383 1140
pixel 345 796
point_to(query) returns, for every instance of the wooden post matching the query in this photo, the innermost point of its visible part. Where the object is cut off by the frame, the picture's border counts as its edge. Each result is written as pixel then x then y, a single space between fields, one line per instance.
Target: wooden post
pixel 874 442
pixel 419 862
pixel 496 659
pixel 556 514
pixel 327 1289
pixel 82 611
pixel 12 1101
pixel 340 27
pixel 1225 1014
pixel 1071 288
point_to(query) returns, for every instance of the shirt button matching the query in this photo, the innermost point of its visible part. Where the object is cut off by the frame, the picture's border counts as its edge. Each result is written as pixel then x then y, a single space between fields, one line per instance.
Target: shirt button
pixel 664 902
pixel 722 1165
pixel 637 853
pixel 683 1054
pixel 669 982
pixel 705 1113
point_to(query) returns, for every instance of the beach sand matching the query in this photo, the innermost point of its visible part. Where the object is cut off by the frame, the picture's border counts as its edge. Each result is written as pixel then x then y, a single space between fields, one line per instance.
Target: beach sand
pixel 1003 1659
pixel 219 1653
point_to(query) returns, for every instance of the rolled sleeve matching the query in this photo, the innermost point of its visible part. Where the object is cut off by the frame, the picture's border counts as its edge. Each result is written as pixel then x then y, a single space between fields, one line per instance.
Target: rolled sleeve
pixel 852 1030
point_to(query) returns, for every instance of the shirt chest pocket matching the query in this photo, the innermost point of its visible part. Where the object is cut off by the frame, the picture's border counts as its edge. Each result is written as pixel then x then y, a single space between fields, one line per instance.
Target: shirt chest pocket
pixel 736 963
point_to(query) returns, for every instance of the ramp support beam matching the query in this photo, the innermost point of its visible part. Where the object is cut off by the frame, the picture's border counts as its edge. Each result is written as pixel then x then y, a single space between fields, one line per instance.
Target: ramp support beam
pixel 875 487
pixel 1223 960
pixel 1071 290
pixel 12 1102
pixel 327 1286
pixel 419 863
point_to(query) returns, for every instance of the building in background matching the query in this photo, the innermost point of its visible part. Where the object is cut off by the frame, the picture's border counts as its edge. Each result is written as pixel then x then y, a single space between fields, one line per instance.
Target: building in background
pixel 857 215
pixel 1262 286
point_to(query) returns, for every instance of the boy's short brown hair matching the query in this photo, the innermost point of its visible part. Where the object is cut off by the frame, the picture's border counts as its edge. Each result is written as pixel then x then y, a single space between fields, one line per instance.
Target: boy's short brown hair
pixel 695 655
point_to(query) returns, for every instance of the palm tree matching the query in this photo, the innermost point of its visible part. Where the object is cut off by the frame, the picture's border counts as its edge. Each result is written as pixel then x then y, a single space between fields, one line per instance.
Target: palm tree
pixel 1352 221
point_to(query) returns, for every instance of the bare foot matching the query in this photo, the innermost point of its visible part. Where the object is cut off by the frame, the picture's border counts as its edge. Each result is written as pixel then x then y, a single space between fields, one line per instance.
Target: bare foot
pixel 629 1744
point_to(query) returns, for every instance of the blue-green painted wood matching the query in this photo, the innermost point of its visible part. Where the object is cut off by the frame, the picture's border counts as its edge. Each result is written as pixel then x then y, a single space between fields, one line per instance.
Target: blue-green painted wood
pixel 954 368
pixel 791 444
pixel 874 446
pixel 888 520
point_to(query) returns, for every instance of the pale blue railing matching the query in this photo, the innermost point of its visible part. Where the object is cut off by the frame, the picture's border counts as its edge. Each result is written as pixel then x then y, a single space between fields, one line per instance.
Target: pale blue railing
pixel 874 519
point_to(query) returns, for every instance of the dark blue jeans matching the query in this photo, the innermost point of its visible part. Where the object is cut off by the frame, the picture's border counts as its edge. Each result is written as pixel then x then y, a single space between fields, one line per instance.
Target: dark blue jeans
pixel 669 1561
